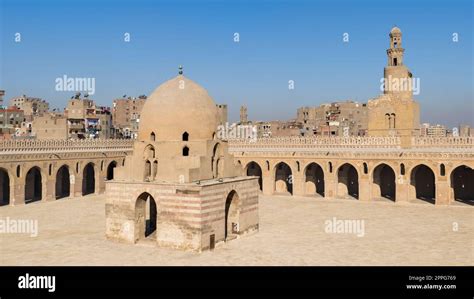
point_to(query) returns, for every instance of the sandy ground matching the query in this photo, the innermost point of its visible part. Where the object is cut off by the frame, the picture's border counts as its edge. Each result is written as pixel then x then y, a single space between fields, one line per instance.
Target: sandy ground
pixel 292 232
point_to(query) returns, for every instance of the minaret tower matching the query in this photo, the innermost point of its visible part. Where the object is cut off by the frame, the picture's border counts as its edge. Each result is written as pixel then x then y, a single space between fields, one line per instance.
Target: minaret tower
pixel 397 76
pixel 395 52
pixel 243 115
pixel 395 113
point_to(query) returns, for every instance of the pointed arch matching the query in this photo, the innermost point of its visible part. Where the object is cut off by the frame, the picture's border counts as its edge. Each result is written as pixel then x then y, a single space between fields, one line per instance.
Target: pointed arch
pixel 4 187
pixel 314 179
pixel 254 169
pixel 62 182
pixel 347 181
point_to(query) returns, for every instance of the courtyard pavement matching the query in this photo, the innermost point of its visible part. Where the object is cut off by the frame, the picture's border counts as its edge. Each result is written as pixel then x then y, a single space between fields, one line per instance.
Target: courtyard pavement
pixel 293 231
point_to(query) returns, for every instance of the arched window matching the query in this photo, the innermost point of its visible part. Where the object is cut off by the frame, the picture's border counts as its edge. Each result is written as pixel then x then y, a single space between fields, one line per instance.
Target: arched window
pixel 402 169
pixel 298 165
pixel 366 169
pixel 185 151
pixel 50 169
pixel 330 167
pixel 185 136
pixel 77 167
pixel 147 170
pixel 18 171
pixel 155 168
pixel 387 120
pixel 392 119
pixel 395 61
pixel 152 136
pixel 442 170
pixel 149 152
pixel 268 165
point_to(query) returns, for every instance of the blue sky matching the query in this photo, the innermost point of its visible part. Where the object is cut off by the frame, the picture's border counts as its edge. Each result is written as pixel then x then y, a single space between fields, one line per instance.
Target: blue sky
pixel 279 41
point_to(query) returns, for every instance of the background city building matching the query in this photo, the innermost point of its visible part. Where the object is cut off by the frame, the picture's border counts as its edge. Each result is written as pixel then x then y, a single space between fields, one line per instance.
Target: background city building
pixel 31 106
pixel 86 120
pixel 50 126
pixel 334 119
pixel 126 116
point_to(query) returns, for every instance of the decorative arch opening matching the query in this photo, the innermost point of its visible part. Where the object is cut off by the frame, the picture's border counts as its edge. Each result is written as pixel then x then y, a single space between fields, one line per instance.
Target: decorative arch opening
pixel 145 217
pixel 402 169
pixel 314 180
pixel 232 215
pixel 347 181
pixel 110 170
pixel 442 170
pixel 462 178
pixel 387 120
pixel 18 171
pixel 33 185
pixel 149 152
pixel 422 179
pixel 88 179
pixel 185 136
pixel 253 169
pixel 62 187
pixel 215 160
pixel 152 136
pixel 155 169
pixel 283 179
pixel 147 174
pixel 366 168
pixel 185 151
pixel 384 182
pixel 4 187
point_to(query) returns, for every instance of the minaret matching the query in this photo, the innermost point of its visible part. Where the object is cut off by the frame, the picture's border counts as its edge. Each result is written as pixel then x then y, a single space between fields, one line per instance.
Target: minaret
pixel 397 76
pixel 395 52
pixel 243 115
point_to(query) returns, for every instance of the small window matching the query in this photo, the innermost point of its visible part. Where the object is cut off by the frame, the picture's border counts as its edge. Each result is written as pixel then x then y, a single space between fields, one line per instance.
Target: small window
pixel 442 170
pixel 402 169
pixel 185 136
pixel 366 169
pixel 50 169
pixel 152 136
pixel 330 167
pixel 18 171
pixel 185 151
pixel 395 61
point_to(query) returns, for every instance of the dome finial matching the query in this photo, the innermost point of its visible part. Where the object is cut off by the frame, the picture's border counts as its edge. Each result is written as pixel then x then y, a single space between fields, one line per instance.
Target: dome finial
pixel 180 70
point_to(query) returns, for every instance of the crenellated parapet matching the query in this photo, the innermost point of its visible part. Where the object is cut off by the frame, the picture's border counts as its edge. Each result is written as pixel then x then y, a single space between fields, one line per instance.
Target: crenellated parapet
pixel 9 147
pixel 356 146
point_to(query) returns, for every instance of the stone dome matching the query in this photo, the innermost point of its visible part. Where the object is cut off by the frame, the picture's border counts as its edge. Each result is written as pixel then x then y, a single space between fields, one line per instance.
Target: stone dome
pixel 177 106
pixel 395 30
